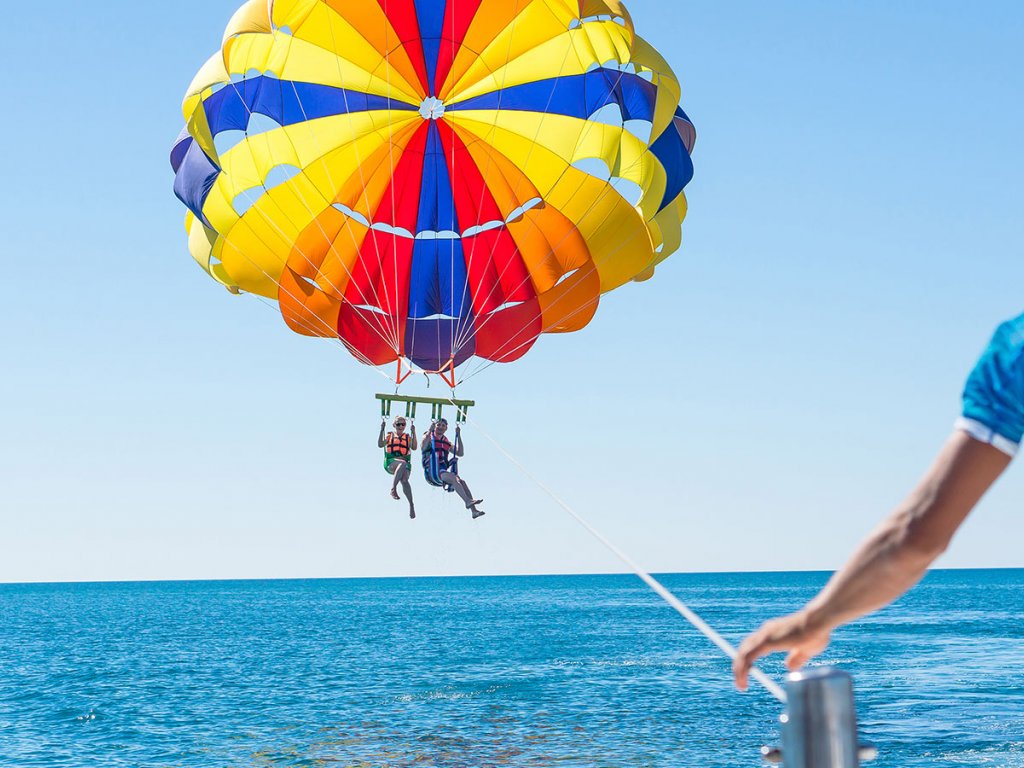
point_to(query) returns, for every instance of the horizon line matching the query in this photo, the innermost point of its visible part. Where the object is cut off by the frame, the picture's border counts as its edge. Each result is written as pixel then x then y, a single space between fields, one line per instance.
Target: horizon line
pixel 255 579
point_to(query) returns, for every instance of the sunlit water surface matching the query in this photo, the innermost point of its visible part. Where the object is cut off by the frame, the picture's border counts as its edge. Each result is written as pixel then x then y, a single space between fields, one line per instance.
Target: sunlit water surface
pixel 535 671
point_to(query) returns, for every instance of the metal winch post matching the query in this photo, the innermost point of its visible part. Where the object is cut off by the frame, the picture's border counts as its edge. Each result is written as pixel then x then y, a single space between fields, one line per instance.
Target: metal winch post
pixel 819 728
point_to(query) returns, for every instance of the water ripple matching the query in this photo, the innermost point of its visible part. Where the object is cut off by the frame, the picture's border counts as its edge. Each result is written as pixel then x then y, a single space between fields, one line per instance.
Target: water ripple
pixel 538 671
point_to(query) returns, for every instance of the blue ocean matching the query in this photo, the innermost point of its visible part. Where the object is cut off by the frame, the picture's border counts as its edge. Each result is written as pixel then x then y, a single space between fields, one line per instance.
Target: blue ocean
pixel 504 671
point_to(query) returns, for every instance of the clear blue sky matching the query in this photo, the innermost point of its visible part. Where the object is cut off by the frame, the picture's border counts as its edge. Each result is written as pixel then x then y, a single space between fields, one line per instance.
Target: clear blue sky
pixel 855 233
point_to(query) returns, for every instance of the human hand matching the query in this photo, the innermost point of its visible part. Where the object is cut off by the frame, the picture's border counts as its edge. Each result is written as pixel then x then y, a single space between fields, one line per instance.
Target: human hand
pixel 794 633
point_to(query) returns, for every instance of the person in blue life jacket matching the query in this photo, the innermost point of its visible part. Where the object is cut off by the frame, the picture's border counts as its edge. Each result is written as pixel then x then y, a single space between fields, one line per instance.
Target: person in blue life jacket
pixel 896 555
pixel 441 463
pixel 398 447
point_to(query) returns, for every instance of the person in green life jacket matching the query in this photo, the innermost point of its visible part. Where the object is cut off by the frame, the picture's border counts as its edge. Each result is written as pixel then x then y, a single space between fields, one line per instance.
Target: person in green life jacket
pixel 441 464
pixel 398 447
pixel 895 556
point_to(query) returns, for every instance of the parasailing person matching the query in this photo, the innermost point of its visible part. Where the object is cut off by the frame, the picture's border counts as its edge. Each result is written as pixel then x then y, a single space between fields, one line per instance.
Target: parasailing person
pixel 441 464
pixel 398 447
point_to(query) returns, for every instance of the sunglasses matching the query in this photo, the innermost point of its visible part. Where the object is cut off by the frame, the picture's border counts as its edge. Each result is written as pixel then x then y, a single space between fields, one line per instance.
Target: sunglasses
pixel 399 423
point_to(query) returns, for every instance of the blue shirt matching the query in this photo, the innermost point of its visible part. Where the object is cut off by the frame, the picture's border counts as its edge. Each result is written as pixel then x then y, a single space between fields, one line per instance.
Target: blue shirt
pixel 994 394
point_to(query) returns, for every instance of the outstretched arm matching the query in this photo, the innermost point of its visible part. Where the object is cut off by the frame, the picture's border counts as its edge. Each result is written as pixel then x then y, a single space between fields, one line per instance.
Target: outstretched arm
pixel 414 444
pixel 380 437
pixel 459 450
pixel 890 561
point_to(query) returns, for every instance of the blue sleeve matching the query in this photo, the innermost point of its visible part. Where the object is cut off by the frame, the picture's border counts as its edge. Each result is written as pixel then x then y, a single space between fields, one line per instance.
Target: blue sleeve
pixel 994 393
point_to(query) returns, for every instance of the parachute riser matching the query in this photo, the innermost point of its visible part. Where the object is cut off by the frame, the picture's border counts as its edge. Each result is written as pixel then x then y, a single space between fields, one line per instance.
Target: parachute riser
pixel 446 372
pixel 399 376
pixel 436 404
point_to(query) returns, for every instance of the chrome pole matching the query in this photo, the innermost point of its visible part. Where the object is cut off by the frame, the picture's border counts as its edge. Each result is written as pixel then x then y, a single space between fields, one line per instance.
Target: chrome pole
pixel 819 728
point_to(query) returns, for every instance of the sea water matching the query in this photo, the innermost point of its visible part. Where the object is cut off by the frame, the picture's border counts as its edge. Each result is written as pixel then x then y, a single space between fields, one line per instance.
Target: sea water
pixel 517 671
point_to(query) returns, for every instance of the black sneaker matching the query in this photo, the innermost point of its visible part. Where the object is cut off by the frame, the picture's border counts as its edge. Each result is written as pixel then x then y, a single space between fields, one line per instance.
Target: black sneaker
pixel 478 513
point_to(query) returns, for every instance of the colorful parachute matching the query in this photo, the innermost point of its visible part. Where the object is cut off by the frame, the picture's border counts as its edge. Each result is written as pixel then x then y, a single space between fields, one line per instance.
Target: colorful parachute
pixel 430 180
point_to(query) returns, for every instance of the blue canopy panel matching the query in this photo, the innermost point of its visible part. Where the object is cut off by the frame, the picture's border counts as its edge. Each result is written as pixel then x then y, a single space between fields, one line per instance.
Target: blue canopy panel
pixel 179 148
pixel 194 176
pixel 286 102
pixel 440 306
pixel 671 153
pixel 429 343
pixel 430 17
pixel 574 96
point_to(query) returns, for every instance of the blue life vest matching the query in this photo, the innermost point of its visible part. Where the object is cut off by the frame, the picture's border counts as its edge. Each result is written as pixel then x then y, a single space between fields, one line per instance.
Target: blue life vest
pixel 436 459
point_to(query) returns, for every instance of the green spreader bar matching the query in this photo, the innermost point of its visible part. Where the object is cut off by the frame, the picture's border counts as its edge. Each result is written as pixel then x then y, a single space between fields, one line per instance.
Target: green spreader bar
pixel 436 405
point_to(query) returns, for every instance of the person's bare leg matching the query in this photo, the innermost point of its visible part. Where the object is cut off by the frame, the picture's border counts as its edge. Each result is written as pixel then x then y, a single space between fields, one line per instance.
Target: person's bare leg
pixel 401 473
pixel 396 470
pixel 472 502
pixel 407 490
pixel 463 492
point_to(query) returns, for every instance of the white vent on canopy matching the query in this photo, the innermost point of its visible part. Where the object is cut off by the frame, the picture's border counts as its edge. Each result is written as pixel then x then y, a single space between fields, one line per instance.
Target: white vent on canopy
pixel 432 108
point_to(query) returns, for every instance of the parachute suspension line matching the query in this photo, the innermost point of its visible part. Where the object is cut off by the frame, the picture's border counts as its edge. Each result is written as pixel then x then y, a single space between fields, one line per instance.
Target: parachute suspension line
pixel 298 300
pixel 464 332
pixel 485 364
pixel 456 310
pixel 588 127
pixel 326 331
pixel 457 330
pixel 275 226
pixel 515 192
pixel 403 318
pixel 501 350
pixel 703 627
pixel 395 332
pixel 331 336
pixel 400 320
pixel 332 332
pixel 287 293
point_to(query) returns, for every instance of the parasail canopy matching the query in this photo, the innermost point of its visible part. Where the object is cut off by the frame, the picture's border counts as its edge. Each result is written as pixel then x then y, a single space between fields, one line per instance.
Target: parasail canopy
pixel 431 180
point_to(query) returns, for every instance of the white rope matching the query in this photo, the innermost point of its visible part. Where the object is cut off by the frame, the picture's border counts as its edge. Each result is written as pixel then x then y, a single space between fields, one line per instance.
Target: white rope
pixel 770 685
